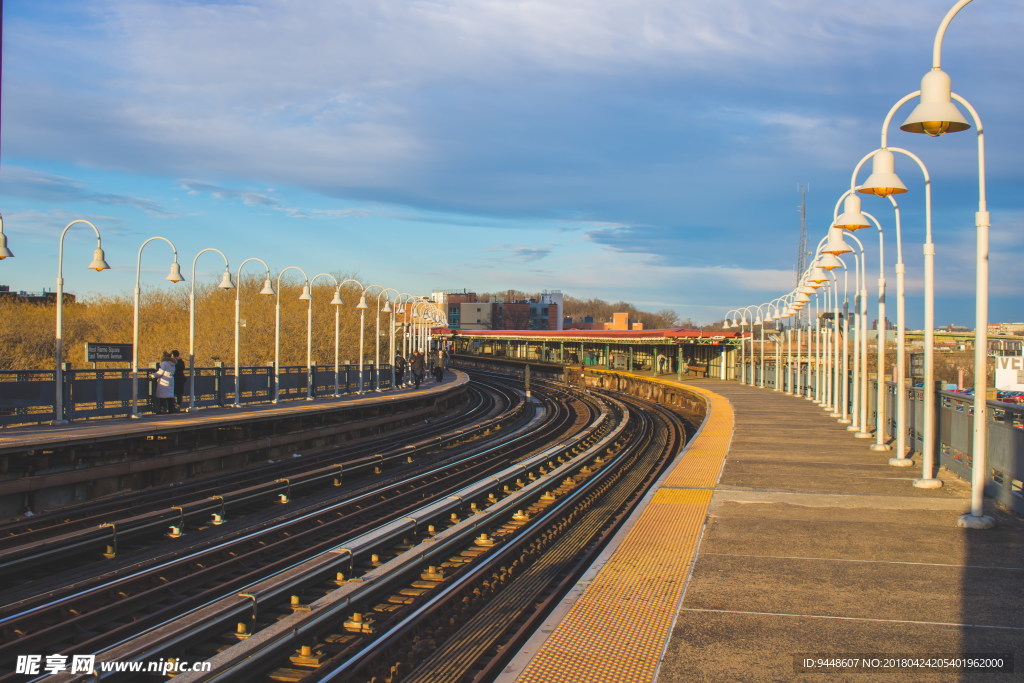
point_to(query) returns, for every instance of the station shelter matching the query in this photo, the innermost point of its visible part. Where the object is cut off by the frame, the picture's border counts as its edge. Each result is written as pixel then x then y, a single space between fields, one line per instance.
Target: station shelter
pixel 677 351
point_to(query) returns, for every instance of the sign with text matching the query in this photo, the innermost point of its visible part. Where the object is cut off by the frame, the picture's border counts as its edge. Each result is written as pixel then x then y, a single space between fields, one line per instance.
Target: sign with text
pixel 108 353
pixel 1010 373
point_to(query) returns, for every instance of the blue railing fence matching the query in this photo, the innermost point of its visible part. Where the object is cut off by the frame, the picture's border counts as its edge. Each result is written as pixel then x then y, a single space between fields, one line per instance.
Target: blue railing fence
pixel 28 396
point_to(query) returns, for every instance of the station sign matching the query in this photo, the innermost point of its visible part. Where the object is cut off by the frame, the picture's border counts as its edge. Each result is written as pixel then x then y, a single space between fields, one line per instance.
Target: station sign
pixel 108 353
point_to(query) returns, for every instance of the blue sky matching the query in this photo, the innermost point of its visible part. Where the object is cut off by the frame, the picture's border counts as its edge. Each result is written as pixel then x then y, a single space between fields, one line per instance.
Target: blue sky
pixel 642 150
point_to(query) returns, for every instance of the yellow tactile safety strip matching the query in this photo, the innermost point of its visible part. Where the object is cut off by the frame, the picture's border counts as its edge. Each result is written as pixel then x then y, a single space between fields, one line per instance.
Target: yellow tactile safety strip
pixel 617 629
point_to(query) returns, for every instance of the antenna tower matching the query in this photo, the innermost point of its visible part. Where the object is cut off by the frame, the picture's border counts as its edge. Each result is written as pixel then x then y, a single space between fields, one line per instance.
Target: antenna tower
pixel 801 254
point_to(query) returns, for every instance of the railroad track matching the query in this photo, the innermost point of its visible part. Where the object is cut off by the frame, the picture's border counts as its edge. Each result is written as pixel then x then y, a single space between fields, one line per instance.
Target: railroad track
pixel 135 523
pixel 90 515
pixel 446 591
pixel 112 611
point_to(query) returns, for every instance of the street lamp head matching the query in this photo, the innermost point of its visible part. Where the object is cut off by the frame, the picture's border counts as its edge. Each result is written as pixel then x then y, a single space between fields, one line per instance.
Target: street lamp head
pixel 268 288
pixel 336 301
pixel 836 244
pixel 852 218
pixel 175 274
pixel 726 325
pixel 828 261
pixel 387 307
pixel 817 276
pixel 99 260
pixel 362 303
pixel 225 280
pixel 4 251
pixel 305 296
pixel 883 180
pixel 935 114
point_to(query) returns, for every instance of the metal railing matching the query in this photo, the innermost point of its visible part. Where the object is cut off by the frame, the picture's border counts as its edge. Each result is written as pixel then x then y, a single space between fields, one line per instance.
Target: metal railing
pixel 954 424
pixel 27 396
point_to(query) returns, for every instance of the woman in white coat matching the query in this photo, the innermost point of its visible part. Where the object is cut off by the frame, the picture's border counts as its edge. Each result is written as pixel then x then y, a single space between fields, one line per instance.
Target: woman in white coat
pixel 164 377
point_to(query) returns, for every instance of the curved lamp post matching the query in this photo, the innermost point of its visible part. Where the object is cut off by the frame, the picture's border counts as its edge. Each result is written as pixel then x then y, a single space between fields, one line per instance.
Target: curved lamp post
pixel 225 283
pixel 173 276
pixel 376 332
pixel 883 182
pixel 98 263
pixel 268 290
pixel 304 296
pixel 389 309
pixel 883 185
pixel 336 302
pixel 852 219
pixel 729 325
pixel 936 115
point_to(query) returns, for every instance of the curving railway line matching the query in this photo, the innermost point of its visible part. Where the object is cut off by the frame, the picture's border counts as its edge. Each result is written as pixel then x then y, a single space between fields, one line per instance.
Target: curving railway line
pixel 425 561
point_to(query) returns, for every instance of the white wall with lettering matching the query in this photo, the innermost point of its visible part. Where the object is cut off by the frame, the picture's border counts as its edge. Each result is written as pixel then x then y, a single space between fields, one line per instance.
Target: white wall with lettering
pixel 1010 373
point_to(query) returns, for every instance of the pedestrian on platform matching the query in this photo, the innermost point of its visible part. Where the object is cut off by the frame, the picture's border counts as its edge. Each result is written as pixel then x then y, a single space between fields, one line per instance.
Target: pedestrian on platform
pixel 164 377
pixel 417 364
pixel 399 369
pixel 179 380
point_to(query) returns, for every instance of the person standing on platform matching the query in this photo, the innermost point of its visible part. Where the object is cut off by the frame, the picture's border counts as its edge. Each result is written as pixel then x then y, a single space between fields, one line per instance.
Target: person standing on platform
pixel 399 369
pixel 179 380
pixel 417 364
pixel 164 377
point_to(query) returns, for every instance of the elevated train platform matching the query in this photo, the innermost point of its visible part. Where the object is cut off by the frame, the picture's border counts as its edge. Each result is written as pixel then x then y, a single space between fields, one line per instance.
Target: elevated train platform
pixel 778 547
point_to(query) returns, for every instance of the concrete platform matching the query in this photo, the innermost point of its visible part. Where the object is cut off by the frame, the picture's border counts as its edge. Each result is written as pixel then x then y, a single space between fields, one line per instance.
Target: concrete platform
pixel 813 548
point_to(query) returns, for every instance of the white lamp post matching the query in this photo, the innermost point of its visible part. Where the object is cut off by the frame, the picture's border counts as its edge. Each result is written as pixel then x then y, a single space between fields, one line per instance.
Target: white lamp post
pixel 884 182
pixel 883 186
pixel 173 276
pixel 268 290
pixel 98 263
pixel 337 303
pixel 304 296
pixel 225 283
pixel 936 115
pixel 391 330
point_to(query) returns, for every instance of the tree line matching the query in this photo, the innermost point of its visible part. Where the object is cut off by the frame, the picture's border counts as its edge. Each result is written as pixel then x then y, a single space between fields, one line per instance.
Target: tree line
pixel 28 332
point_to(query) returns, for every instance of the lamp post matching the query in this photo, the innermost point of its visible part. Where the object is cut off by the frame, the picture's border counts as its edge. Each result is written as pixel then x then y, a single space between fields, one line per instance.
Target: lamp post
pixel 936 115
pixel 884 182
pixel 389 309
pixel 853 219
pixel 362 306
pixel 4 251
pixel 376 333
pixel 336 302
pixel 268 290
pixel 304 296
pixel 225 283
pixel 98 263
pixel 747 358
pixel 727 324
pixel 837 246
pixel 885 185
pixel 173 276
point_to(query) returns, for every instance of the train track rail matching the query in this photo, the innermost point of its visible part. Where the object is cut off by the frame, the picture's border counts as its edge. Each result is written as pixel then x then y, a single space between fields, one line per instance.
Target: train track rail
pixel 90 515
pixel 111 532
pixel 447 591
pixel 114 611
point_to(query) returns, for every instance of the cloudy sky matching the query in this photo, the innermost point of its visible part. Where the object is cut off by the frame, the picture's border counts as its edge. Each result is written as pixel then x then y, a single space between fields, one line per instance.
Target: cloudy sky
pixel 643 150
